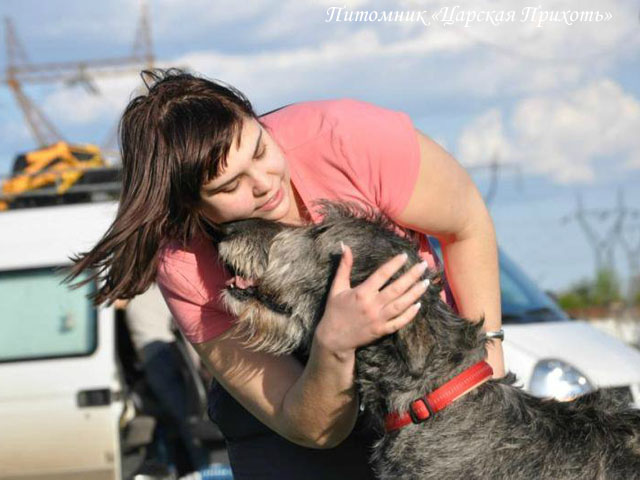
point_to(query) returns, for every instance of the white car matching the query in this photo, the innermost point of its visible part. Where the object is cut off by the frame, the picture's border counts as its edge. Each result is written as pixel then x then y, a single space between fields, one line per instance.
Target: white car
pixel 69 405
pixel 553 355
pixel 61 400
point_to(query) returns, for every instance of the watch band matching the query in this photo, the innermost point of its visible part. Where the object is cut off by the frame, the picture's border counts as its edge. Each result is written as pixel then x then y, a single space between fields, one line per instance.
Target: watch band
pixel 499 334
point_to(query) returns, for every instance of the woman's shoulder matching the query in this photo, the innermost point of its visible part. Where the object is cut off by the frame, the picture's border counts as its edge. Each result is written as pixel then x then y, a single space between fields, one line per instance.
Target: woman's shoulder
pixel 193 269
pixel 300 122
pixel 191 279
pixel 173 250
pixel 197 247
pixel 315 109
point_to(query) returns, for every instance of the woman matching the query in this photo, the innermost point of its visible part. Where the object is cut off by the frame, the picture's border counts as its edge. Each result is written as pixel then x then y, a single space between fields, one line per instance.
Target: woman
pixel 194 152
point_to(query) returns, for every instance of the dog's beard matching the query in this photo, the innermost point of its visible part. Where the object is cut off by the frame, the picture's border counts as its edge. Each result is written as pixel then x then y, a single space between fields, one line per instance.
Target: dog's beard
pixel 258 326
pixel 253 292
pixel 278 286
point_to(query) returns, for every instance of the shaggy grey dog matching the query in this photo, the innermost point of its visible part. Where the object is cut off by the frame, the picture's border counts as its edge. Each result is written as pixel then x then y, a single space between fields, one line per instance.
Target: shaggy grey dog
pixel 496 431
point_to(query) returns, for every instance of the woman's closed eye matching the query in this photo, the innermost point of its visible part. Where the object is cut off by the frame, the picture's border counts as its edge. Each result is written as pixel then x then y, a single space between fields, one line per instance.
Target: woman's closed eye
pixel 261 154
pixel 232 188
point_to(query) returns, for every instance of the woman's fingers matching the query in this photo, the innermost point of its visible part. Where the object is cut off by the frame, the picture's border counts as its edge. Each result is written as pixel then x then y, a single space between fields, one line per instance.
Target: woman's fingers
pixel 400 304
pixel 342 278
pixel 377 279
pixel 400 321
pixel 399 295
pixel 357 316
pixel 395 290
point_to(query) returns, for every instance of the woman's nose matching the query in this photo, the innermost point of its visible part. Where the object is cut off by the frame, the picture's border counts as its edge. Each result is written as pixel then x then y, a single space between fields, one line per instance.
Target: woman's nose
pixel 261 182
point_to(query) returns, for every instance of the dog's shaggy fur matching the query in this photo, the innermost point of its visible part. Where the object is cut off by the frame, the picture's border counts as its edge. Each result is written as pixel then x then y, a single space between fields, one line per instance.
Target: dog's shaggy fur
pixel 496 431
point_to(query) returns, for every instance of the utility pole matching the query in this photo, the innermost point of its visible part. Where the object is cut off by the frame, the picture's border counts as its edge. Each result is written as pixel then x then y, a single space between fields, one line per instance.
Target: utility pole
pixel 21 71
pixel 629 239
pixel 602 240
pixel 494 166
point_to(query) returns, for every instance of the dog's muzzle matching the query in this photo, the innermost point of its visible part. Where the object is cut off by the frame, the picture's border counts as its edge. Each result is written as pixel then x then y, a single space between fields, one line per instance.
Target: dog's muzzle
pixel 243 289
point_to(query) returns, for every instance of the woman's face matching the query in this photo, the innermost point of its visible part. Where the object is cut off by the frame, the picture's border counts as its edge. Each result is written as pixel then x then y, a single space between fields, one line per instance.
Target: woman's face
pixel 255 182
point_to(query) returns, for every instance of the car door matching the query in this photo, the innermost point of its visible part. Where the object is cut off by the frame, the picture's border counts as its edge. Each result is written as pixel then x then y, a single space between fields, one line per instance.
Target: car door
pixel 59 387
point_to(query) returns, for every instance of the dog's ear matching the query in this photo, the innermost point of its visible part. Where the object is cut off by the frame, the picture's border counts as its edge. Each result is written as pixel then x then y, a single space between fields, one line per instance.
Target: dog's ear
pixel 217 232
pixel 416 340
pixel 222 231
pixel 414 343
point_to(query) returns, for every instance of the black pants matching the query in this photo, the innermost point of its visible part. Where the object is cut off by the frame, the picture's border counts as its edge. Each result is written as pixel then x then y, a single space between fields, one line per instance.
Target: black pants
pixel 257 452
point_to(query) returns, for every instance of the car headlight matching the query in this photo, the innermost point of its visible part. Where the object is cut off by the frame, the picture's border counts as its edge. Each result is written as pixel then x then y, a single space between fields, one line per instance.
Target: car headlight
pixel 558 379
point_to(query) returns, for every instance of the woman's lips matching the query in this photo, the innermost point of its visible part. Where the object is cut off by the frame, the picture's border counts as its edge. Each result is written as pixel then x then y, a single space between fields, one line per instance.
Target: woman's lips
pixel 274 202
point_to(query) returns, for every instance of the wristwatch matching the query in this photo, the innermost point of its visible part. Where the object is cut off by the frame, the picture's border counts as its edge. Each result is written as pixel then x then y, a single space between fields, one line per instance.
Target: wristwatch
pixel 499 334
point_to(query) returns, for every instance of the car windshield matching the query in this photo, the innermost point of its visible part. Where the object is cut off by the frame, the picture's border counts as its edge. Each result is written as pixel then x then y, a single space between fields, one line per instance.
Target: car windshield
pixel 522 299
pixel 42 318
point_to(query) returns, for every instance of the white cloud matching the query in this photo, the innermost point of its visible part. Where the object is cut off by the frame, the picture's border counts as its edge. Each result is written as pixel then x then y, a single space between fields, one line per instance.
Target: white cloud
pixel 561 136
pixel 362 44
pixel 169 15
pixel 76 106
pixel 351 4
pixel 483 60
pixel 483 140
pixel 552 41
pixel 78 19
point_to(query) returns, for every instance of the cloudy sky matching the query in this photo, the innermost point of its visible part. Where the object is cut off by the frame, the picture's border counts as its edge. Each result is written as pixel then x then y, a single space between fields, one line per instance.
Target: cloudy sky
pixel 543 88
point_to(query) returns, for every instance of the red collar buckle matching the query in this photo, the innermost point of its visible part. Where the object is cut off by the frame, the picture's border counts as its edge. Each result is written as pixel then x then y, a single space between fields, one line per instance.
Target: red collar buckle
pixel 423 408
pixel 420 410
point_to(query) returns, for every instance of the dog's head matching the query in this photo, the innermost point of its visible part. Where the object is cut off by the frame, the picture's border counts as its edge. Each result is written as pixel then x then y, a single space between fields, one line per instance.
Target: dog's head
pixel 251 252
pixel 282 275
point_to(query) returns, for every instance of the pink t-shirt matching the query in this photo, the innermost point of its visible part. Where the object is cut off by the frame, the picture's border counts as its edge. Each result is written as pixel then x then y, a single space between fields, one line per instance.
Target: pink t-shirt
pixel 336 149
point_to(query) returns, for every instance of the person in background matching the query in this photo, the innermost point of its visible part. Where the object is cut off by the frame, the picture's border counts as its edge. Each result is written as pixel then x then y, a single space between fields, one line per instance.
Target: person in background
pixel 150 325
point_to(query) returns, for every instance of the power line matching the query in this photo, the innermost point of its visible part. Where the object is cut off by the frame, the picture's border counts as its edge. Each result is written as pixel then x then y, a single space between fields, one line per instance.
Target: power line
pixel 630 246
pixel 602 238
pixel 494 166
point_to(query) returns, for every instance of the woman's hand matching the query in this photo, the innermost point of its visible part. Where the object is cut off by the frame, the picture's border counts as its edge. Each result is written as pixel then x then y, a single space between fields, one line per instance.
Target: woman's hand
pixel 357 316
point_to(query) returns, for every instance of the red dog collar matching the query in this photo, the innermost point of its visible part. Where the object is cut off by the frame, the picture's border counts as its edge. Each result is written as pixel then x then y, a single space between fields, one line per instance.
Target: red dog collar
pixel 425 407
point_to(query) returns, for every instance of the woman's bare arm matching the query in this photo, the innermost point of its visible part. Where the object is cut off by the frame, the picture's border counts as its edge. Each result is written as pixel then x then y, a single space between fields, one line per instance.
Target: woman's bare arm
pixel 446 204
pixel 316 405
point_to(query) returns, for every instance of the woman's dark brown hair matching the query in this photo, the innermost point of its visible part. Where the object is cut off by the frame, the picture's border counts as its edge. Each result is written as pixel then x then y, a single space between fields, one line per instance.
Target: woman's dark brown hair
pixel 173 139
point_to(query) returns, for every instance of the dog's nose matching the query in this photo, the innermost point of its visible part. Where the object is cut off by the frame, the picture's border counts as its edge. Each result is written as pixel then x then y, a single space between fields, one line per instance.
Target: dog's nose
pixel 219 232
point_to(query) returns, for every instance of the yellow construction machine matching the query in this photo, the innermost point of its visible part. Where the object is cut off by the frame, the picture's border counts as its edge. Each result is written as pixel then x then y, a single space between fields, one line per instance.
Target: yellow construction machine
pixel 53 171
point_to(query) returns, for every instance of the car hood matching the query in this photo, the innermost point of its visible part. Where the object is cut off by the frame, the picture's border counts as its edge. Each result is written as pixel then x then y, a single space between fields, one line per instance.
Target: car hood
pixel 605 360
